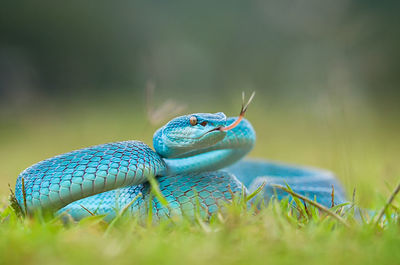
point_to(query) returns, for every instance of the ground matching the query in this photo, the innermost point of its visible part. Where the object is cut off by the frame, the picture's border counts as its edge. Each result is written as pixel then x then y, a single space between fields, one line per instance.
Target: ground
pixel 359 144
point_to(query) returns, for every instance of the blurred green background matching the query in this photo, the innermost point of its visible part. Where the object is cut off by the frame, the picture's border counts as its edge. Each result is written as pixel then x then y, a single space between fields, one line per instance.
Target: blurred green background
pixel 75 73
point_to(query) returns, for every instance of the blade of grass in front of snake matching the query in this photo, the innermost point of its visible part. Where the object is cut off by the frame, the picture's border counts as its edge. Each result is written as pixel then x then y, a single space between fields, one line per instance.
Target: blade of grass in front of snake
pixel 123 211
pixel 157 192
pixel 257 191
pixel 313 203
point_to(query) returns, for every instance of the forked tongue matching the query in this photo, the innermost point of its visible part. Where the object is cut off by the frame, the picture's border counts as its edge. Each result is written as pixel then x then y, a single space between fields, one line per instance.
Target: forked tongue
pixel 241 115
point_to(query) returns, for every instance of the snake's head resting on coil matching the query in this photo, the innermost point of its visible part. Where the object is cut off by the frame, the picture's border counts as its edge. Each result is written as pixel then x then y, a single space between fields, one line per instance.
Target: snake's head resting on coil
pixel 186 133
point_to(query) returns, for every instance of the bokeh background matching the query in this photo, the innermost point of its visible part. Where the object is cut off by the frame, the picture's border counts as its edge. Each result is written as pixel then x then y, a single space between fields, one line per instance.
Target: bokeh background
pixel 326 74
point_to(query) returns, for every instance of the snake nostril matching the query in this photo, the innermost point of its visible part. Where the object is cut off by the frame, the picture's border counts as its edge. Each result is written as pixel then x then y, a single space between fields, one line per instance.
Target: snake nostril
pixel 204 123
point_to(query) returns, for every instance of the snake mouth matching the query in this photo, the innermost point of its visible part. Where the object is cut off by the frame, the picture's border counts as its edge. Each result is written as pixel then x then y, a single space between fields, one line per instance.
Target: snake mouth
pixel 219 128
pixel 216 129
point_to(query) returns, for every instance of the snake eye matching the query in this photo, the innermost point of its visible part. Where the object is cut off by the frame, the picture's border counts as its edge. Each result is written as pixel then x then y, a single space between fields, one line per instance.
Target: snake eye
pixel 204 123
pixel 193 120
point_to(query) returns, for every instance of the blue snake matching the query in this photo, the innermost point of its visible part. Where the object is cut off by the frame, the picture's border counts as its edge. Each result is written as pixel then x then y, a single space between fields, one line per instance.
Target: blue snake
pixel 197 161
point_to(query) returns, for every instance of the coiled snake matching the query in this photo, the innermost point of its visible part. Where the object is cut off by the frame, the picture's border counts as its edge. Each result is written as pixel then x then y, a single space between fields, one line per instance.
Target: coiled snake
pixel 197 160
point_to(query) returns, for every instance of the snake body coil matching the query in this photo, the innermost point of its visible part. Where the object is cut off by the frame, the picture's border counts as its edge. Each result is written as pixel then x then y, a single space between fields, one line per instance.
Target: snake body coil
pixel 195 162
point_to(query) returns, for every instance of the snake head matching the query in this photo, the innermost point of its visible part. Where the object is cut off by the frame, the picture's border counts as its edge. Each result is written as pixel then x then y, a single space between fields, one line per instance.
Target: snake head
pixel 190 132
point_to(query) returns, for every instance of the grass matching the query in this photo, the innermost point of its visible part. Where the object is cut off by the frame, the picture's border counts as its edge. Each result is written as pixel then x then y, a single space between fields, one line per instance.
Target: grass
pixel 360 146
pixel 280 233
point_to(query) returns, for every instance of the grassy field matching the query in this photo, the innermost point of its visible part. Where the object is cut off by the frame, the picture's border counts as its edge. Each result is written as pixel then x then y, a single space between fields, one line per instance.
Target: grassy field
pixel 359 144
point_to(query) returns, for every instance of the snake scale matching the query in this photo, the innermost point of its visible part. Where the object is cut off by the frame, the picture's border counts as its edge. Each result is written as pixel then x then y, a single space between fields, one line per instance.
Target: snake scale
pixel 197 160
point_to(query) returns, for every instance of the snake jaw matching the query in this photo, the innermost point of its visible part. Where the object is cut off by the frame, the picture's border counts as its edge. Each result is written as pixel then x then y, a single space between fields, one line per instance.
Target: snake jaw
pixel 219 128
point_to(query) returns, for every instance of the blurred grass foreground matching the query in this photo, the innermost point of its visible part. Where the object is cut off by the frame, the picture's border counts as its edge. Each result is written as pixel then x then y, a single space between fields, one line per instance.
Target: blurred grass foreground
pixel 74 75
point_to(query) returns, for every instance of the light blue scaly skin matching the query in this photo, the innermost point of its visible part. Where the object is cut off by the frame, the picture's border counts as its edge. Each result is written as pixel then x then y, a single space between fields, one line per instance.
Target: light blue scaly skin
pixel 193 164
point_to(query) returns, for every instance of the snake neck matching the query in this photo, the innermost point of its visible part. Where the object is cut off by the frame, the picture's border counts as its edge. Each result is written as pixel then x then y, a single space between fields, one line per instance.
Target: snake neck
pixel 235 145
